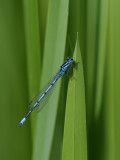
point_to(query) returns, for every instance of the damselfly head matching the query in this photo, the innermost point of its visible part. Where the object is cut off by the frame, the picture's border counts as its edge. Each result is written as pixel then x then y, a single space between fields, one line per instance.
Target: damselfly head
pixel 70 60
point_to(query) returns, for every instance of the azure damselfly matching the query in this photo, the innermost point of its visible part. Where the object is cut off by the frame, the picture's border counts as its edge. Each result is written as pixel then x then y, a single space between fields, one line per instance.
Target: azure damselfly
pixel 42 95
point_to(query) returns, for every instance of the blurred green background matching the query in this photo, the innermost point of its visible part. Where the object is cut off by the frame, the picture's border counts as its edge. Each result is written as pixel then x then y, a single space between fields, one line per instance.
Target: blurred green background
pixel 36 36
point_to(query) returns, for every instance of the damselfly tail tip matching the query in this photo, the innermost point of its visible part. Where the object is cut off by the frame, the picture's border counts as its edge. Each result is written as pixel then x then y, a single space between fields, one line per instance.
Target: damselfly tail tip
pixel 22 121
pixel 20 125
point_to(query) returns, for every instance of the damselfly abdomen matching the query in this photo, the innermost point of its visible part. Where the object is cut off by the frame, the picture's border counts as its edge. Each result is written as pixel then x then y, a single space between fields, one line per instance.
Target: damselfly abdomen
pixel 42 95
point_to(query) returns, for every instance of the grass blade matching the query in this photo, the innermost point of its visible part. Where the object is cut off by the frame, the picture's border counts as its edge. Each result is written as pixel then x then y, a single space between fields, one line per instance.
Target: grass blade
pixel 75 139
pixel 32 34
pixel 53 57
pixel 90 66
pixel 112 85
pixel 15 143
pixel 102 43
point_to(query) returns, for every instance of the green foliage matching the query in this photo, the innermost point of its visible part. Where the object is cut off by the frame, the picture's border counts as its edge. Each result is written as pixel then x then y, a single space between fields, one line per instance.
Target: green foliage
pixel 81 119
pixel 53 57
pixel 32 35
pixel 14 142
pixel 75 138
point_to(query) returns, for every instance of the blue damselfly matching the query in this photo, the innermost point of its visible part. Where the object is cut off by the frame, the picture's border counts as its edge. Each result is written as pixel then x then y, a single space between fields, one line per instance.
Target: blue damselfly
pixel 41 96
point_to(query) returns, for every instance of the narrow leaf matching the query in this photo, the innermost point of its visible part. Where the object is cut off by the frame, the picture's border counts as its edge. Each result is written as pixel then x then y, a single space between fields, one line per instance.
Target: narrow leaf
pixel 55 41
pixel 15 143
pixel 31 19
pixel 75 140
pixel 102 41
pixel 112 85
pixel 90 66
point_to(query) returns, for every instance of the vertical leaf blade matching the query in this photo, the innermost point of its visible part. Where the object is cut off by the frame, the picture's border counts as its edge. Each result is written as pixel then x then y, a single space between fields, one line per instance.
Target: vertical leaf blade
pixel 75 140
pixel 32 34
pixel 102 43
pixel 55 41
pixel 15 143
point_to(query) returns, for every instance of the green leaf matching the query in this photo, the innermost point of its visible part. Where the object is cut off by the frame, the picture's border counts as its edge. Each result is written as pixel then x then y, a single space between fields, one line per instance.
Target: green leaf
pixel 31 19
pixel 115 39
pixel 75 140
pixel 112 85
pixel 100 65
pixel 55 41
pixel 15 142
pixel 90 65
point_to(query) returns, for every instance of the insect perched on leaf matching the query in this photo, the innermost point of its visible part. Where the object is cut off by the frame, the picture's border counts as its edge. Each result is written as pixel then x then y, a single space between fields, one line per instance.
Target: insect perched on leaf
pixel 38 100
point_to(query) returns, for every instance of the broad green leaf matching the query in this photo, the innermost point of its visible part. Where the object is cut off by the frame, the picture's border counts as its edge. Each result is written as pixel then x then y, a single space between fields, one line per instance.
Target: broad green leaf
pixel 112 85
pixel 91 55
pixel 109 104
pixel 97 129
pixel 100 65
pixel 116 48
pixel 97 23
pixel 75 139
pixel 15 142
pixel 31 19
pixel 92 18
pixel 55 41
